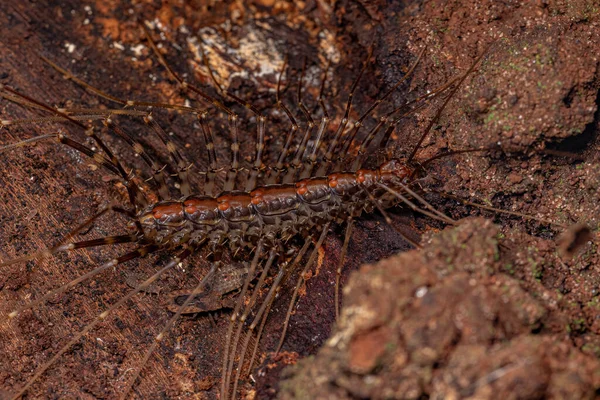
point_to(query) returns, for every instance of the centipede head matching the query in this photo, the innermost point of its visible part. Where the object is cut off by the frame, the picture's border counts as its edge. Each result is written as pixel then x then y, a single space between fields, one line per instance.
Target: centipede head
pixel 396 169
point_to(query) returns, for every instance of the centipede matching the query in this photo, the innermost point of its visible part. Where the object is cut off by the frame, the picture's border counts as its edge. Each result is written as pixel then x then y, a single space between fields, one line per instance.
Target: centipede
pixel 270 180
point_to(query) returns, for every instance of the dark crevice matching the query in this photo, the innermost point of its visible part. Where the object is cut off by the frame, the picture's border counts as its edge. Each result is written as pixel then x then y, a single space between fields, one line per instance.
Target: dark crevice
pixel 580 143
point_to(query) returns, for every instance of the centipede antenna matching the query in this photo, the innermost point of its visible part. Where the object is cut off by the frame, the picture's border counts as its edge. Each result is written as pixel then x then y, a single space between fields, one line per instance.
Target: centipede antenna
pixel 263 312
pixel 441 109
pixel 311 260
pixel 158 338
pixel 360 157
pixel 416 208
pixel 100 318
pixel 388 220
pixel 499 210
pixel 137 253
pixel 416 196
pixel 338 271
pixel 235 315
pixel 420 102
pixel 454 152
pixel 359 123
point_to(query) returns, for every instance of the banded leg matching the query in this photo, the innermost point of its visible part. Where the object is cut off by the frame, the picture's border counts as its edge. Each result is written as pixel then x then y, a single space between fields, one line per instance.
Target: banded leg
pixel 136 197
pixel 182 167
pixel 296 164
pixel 102 317
pixel 209 184
pixel 248 307
pixel 158 172
pixel 310 155
pixel 59 246
pixel 137 253
pixel 311 260
pixel 275 172
pixel 260 141
pixel 234 166
pixel 82 114
pixel 235 315
pixel 262 313
pixel 329 155
pixel 232 116
pixel 158 338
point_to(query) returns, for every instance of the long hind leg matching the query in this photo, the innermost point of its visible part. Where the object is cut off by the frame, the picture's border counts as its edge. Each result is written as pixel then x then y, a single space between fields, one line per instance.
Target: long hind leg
pixel 309 264
pixel 236 313
pixel 158 338
pixel 103 316
pixel 284 271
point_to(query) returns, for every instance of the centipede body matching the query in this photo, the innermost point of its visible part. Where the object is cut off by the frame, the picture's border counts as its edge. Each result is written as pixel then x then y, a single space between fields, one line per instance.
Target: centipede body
pixel 89 179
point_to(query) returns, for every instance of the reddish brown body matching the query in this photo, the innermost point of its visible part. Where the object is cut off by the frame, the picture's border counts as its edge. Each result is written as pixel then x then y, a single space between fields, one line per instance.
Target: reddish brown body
pixel 272 212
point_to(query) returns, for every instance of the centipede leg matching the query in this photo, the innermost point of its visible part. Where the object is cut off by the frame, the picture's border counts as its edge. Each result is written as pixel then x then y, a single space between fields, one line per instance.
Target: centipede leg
pixel 260 140
pixel 437 216
pixel 329 155
pixel 310 156
pixel 158 172
pixel 102 316
pixel 274 173
pixel 158 338
pixel 61 246
pixel 311 260
pixel 235 315
pixel 388 220
pixel 296 165
pixel 249 305
pixel 263 311
pixel 110 161
pixel 182 167
pixel 338 271
pixel 124 102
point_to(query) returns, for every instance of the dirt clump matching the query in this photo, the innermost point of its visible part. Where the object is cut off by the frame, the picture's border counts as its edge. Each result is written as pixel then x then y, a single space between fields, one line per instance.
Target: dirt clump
pixel 447 322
